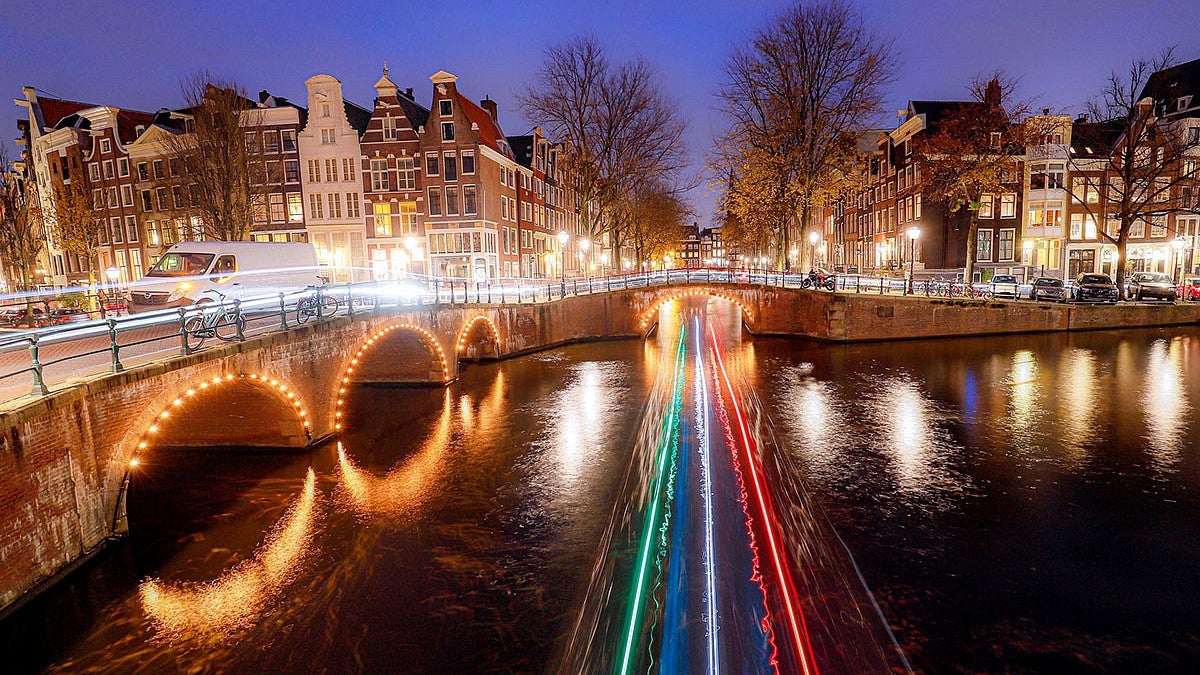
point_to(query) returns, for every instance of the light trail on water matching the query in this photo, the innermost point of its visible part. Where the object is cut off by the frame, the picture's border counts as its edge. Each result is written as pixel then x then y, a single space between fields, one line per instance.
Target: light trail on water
pixel 656 498
pixel 797 628
pixel 710 561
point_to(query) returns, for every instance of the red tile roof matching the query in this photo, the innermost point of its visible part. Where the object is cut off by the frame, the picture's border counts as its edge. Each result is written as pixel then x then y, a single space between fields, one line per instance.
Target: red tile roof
pixel 489 130
pixel 54 109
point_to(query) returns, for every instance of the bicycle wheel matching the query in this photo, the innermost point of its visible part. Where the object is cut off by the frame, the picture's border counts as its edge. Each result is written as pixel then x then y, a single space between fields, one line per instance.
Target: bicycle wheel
pixel 305 310
pixel 330 305
pixel 194 332
pixel 229 325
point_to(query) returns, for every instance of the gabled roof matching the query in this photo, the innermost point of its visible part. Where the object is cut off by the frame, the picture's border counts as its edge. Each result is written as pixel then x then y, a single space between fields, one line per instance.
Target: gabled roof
pixel 358 116
pixel 522 147
pixel 55 109
pixel 417 114
pixel 936 111
pixel 1170 84
pixel 489 130
pixel 1094 139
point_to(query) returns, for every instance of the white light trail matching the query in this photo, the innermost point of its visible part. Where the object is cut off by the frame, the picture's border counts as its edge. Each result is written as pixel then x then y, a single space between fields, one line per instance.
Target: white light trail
pixel 711 618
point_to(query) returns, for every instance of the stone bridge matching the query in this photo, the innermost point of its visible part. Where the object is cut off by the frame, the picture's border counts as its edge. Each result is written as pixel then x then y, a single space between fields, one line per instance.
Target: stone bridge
pixel 66 458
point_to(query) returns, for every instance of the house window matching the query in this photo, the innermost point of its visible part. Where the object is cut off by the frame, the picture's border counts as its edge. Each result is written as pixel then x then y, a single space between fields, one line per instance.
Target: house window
pixel 127 195
pixel 112 197
pixel 122 167
pixel 277 209
pixel 177 195
pixel 105 146
pixel 147 202
pixel 1008 240
pixel 315 210
pixel 288 136
pixel 451 201
pixel 431 164
pixel 143 171
pixel 468 161
pixel 1158 226
pixel 352 208
pixel 314 171
pixel 335 205
pixel 118 236
pixel 1138 229
pixel 983 245
pixel 1008 205
pixel 331 170
pixel 131 229
pixel 379 176
pixel 348 172
pixel 450 164
pixel 159 166
pixel 389 128
pixel 445 107
pixel 324 110
pixel 408 217
pixel 985 206
pixel 152 233
pixel 435 202
pixel 469 206
pixel 447 131
pixel 383 219
pixel 295 205
pixel 291 170
pixel 252 142
pixel 406 174
pixel 108 169
pixel 328 136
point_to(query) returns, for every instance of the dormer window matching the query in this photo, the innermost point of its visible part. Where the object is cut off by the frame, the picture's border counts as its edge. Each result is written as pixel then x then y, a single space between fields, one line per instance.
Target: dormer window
pixel 445 107
pixel 1184 102
pixel 994 139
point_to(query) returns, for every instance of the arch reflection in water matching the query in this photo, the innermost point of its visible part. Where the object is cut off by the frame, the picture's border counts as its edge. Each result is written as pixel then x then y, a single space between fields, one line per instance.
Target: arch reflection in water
pixel 409 484
pixel 225 607
pixel 1165 401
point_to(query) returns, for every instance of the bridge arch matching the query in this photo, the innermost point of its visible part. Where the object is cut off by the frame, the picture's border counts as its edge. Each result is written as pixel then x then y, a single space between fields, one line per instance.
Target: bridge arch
pixel 479 339
pixel 647 317
pixel 399 353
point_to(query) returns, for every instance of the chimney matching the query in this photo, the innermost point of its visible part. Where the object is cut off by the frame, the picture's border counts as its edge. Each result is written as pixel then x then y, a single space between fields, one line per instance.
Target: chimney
pixel 1083 118
pixel 1046 111
pixel 992 93
pixel 408 93
pixel 490 106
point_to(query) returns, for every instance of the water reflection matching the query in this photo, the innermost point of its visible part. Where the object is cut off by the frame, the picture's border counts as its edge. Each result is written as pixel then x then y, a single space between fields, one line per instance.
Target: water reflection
pixel 1023 391
pixel 226 607
pixel 1165 402
pixel 1077 390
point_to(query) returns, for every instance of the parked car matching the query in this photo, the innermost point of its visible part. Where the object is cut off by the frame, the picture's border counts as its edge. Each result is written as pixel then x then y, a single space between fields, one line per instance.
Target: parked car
pixel 1004 285
pixel 1189 288
pixel 1048 288
pixel 63 315
pixel 21 317
pixel 1091 287
pixel 1147 285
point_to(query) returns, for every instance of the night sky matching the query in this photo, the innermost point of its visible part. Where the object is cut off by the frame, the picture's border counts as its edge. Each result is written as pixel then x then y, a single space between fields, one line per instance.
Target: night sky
pixel 134 54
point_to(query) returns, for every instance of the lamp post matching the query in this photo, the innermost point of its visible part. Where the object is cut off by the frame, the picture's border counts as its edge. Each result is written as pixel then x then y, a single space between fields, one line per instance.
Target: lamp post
pixel 913 233
pixel 113 275
pixel 563 238
pixel 584 245
pixel 1178 244
pixel 410 243
pixel 1029 245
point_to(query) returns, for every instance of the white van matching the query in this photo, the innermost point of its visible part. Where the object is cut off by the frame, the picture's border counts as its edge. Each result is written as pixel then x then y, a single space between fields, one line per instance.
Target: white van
pixel 196 271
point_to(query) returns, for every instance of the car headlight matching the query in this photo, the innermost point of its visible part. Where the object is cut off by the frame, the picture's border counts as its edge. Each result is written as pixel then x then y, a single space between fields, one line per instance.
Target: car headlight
pixel 180 289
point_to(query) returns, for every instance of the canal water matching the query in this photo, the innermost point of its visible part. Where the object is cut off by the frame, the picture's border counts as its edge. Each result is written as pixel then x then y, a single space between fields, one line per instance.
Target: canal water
pixel 1025 504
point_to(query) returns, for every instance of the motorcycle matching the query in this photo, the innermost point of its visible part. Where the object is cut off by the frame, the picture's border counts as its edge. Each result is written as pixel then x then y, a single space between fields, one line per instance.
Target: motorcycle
pixel 818 279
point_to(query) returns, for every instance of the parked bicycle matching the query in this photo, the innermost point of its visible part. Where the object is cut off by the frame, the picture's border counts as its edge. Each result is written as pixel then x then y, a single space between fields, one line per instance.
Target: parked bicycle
pixel 316 305
pixel 225 322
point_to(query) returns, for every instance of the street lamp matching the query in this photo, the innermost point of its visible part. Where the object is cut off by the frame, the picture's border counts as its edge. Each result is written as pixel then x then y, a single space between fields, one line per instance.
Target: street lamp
pixel 584 245
pixel 113 274
pixel 410 242
pixel 1178 245
pixel 812 240
pixel 563 238
pixel 913 233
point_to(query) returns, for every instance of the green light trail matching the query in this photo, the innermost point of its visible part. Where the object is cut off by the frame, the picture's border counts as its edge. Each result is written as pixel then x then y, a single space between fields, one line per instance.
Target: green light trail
pixel 669 429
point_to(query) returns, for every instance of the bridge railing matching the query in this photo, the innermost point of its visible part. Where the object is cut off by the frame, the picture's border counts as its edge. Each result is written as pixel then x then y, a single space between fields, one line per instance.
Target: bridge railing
pixel 33 359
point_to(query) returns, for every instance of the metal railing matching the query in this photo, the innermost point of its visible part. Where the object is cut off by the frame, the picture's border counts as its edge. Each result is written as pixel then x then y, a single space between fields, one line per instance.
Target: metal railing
pixel 60 353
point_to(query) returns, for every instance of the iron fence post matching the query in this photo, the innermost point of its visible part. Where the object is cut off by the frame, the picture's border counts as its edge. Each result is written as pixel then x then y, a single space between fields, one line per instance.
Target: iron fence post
pixel 350 299
pixel 114 346
pixel 282 312
pixel 39 384
pixel 183 343
pixel 238 324
pixel 320 305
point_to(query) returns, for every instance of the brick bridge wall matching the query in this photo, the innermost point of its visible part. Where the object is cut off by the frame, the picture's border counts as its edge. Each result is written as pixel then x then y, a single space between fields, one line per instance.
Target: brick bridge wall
pixel 64 458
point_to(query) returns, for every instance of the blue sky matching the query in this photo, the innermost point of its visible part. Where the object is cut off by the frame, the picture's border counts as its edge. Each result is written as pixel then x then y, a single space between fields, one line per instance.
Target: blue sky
pixel 134 54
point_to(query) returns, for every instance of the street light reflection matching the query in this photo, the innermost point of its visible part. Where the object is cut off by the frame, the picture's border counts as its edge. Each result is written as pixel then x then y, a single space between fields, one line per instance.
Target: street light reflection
pixel 1022 380
pixel 227 606
pixel 1165 402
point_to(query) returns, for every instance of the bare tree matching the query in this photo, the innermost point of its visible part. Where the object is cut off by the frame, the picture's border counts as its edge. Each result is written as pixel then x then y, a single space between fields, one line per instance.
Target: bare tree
pixel 1144 159
pixel 217 168
pixel 78 227
pixel 619 128
pixel 976 148
pixel 795 98
pixel 21 235
pixel 656 216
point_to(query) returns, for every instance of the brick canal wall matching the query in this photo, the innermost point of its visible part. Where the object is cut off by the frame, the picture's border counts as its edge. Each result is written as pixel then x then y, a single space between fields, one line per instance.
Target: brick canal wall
pixel 64 458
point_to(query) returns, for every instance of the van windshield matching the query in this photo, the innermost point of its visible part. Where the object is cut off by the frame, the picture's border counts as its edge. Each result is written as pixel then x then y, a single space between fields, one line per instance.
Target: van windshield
pixel 181 265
